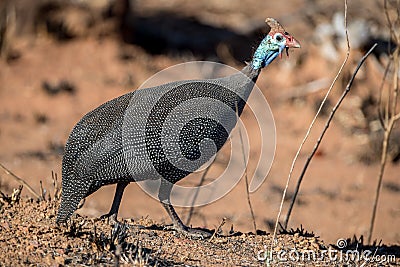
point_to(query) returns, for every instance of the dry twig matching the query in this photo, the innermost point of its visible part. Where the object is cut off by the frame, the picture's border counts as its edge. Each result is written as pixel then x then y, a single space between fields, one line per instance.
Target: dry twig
pixel 247 185
pixel 196 194
pixel 20 180
pixel 218 229
pixel 310 127
pixel 246 177
pixel 56 185
pixel 389 119
pixel 331 115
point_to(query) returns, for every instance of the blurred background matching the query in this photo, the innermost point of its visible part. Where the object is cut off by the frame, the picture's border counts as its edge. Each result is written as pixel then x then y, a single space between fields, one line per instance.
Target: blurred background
pixel 60 59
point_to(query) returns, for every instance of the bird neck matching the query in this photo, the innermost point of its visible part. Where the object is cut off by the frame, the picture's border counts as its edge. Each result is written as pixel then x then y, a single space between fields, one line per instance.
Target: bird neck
pixel 264 54
pixel 244 84
pixel 251 72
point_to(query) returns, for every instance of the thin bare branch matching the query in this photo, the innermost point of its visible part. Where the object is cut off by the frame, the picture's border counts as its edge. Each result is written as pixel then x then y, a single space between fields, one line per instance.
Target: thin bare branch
pixel 390 115
pixel 247 185
pixel 395 80
pixel 42 191
pixel 245 175
pixel 196 194
pixel 331 115
pixel 380 176
pixel 382 119
pixel 389 21
pixel 20 180
pixel 218 230
pixel 311 125
pixel 56 185
pixel 396 117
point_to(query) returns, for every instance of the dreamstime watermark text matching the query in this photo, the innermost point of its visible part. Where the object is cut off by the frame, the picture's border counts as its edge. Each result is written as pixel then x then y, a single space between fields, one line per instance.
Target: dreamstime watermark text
pixel 330 255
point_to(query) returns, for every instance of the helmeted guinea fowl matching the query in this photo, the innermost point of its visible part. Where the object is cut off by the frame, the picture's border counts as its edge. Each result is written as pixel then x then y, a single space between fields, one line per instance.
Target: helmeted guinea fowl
pixel 119 142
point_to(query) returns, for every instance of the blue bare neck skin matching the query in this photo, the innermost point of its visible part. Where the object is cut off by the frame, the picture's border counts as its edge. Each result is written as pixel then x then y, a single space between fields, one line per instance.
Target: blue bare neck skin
pixel 265 54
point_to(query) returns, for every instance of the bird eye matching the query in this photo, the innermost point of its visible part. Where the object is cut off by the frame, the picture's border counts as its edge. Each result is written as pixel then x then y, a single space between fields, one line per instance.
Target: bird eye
pixel 279 37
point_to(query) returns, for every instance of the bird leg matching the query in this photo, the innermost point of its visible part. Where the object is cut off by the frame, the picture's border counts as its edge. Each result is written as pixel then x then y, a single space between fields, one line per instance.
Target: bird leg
pixel 164 197
pixel 113 213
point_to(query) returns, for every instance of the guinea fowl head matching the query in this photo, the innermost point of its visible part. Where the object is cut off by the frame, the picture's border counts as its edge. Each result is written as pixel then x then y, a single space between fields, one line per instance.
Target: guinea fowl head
pixel 276 41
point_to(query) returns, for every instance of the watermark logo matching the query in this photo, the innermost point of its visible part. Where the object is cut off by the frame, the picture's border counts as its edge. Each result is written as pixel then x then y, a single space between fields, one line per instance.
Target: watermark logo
pixel 179 119
pixel 342 255
pixel 341 243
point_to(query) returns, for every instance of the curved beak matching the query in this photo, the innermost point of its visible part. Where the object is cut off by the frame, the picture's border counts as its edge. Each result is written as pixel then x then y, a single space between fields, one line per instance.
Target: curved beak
pixel 291 42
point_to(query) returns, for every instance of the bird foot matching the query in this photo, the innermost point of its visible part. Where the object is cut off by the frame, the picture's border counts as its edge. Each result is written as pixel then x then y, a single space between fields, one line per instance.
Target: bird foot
pixel 110 217
pixel 197 233
pixel 191 232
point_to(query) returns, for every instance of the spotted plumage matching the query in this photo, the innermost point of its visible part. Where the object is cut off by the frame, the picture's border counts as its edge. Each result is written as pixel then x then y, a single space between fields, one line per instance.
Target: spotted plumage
pixel 126 139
